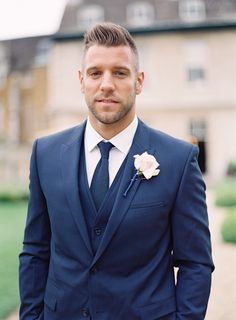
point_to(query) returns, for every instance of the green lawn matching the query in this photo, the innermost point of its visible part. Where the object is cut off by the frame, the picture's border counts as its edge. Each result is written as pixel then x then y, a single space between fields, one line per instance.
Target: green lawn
pixel 12 220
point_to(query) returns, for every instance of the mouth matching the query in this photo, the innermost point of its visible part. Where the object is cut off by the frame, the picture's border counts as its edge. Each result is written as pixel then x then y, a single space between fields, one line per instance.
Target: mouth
pixel 107 101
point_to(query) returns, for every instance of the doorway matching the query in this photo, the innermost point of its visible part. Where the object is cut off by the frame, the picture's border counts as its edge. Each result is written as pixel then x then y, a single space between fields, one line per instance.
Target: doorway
pixel 198 133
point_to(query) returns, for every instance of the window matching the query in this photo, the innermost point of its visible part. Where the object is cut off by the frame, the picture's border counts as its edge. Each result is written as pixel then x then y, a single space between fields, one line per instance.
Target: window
pixel 192 10
pixel 89 15
pixel 140 14
pixel 42 53
pixel 196 74
pixel 195 53
pixel 198 129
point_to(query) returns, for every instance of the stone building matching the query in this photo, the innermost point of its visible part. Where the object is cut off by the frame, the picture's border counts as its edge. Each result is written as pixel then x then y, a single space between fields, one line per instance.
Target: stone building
pixel 187 50
pixel 23 99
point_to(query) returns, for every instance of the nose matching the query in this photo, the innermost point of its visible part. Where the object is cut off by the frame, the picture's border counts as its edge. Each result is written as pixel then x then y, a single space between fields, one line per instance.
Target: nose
pixel 107 83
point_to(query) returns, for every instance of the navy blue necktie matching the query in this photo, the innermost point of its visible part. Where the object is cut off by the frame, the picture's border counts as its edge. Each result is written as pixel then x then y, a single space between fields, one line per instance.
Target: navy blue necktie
pixel 100 181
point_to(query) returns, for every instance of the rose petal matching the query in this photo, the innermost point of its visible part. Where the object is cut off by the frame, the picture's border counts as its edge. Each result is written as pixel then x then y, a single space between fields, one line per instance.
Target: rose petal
pixel 156 172
pixel 148 174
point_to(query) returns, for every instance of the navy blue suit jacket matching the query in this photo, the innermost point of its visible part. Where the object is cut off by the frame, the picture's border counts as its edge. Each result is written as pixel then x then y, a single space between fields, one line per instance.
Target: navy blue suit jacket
pixel 159 224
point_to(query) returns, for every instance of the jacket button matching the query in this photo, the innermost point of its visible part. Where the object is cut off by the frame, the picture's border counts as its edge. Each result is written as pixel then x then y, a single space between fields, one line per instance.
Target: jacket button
pixel 94 270
pixel 98 231
pixel 85 313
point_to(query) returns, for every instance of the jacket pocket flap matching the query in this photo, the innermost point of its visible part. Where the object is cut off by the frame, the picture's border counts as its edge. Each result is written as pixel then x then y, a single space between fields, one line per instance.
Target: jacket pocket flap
pixel 158 309
pixel 148 204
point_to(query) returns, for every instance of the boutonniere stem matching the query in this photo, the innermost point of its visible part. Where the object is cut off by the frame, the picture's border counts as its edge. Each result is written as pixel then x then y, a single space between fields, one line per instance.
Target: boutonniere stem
pixel 135 177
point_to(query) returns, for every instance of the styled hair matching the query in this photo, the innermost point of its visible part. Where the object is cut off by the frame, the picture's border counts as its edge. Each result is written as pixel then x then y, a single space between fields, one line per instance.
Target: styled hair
pixel 109 34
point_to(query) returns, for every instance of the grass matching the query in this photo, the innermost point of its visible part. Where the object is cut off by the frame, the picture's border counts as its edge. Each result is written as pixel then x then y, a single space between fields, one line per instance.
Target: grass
pixel 12 220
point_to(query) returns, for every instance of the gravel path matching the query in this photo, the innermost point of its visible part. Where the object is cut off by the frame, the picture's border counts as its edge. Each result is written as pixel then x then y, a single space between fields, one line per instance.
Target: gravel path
pixel 14 316
pixel 222 304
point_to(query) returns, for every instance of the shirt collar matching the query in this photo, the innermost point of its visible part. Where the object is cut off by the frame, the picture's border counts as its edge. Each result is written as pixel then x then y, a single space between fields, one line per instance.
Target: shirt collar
pixel 122 141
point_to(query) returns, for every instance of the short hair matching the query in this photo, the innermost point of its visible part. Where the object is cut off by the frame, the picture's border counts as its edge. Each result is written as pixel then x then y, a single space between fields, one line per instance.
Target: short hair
pixel 110 35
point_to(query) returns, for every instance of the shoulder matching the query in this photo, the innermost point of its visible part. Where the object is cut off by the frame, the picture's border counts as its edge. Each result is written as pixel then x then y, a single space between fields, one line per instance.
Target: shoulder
pixel 164 142
pixel 66 137
pixel 175 156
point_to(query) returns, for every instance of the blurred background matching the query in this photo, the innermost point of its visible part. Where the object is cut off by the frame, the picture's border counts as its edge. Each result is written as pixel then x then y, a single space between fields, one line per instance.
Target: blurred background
pixel 188 53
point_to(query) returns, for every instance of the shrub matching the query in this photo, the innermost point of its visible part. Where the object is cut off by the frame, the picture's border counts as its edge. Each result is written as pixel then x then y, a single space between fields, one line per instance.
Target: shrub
pixel 228 228
pixel 13 192
pixel 231 169
pixel 225 194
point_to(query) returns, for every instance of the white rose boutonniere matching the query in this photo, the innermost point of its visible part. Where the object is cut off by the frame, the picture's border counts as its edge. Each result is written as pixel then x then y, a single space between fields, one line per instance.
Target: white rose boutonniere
pixel 146 166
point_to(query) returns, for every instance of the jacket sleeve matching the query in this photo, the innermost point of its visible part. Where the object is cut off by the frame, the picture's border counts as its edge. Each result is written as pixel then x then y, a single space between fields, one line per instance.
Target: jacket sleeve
pixel 191 243
pixel 34 259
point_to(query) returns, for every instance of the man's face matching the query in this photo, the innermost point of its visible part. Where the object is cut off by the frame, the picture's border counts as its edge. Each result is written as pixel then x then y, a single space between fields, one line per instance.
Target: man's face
pixel 110 84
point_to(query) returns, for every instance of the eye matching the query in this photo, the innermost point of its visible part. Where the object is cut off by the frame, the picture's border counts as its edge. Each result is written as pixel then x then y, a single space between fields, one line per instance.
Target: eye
pixel 120 73
pixel 95 74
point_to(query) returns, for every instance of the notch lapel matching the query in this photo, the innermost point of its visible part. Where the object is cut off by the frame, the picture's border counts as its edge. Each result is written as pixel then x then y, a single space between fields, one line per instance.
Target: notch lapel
pixel 121 205
pixel 70 156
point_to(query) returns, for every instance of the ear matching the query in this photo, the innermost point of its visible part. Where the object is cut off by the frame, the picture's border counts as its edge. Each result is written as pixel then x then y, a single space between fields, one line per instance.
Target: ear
pixel 139 82
pixel 81 80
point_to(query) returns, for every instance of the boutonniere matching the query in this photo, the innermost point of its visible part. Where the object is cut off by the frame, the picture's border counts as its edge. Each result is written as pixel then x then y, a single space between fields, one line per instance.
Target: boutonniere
pixel 146 166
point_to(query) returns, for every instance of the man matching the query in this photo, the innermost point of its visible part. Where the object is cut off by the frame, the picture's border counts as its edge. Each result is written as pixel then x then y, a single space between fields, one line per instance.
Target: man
pixel 110 254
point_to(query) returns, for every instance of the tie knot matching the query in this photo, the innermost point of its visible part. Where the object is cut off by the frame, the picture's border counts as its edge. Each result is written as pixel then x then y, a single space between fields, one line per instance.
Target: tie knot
pixel 105 148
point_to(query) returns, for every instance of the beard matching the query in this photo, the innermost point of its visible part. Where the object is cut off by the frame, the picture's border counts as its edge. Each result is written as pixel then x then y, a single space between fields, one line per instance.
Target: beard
pixel 108 116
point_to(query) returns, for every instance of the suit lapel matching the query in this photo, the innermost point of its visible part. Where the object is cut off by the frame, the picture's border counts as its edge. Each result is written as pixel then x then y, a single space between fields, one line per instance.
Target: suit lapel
pixel 70 155
pixel 140 144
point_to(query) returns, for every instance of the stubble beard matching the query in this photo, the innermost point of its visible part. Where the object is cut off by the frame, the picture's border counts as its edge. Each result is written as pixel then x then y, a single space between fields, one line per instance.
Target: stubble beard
pixel 111 117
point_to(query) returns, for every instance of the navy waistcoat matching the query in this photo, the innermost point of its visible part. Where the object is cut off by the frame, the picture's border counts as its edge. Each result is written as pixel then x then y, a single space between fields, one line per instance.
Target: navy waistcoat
pixel 96 220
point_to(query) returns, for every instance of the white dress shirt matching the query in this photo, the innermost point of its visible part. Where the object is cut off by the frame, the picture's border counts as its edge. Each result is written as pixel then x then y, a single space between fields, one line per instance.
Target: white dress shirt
pixel 122 143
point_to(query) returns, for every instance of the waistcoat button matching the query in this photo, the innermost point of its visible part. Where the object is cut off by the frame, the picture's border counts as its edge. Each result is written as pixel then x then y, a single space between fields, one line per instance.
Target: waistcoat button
pixel 94 270
pixel 98 231
pixel 85 313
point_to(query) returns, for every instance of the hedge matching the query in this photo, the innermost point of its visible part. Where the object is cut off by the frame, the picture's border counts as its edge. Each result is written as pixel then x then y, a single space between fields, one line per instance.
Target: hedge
pixel 228 228
pixel 225 194
pixel 14 192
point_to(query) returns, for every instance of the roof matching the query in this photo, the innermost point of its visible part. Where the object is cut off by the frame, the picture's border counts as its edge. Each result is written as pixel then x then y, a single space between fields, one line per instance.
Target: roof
pixel 21 53
pixel 166 16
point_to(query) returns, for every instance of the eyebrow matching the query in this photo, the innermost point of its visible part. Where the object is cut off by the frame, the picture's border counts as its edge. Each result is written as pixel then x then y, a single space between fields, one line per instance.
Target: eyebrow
pixel 121 68
pixel 92 68
pixel 114 68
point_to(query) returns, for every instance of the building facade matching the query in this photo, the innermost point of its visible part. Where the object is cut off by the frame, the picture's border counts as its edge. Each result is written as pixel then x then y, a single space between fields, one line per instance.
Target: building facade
pixel 187 51
pixel 23 99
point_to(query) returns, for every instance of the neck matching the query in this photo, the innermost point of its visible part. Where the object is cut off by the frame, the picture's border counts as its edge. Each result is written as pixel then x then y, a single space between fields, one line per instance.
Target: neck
pixel 108 131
